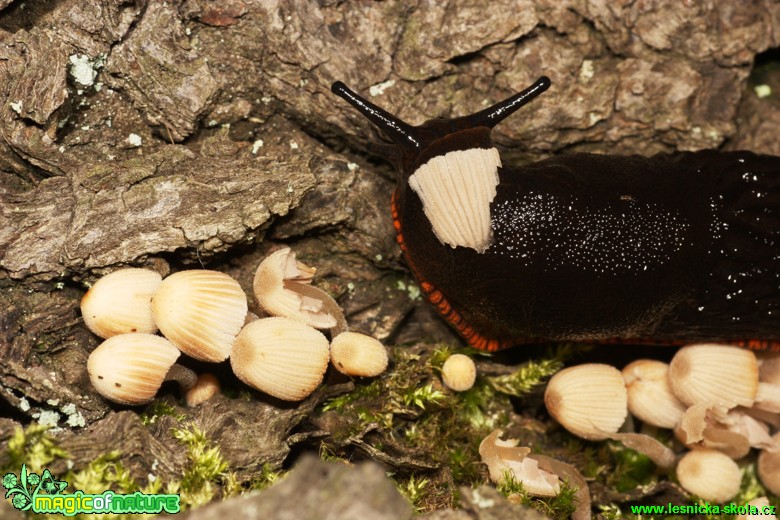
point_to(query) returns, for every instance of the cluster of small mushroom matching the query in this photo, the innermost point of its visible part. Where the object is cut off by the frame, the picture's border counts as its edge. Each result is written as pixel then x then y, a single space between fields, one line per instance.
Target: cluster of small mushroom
pixel 204 314
pixel 721 401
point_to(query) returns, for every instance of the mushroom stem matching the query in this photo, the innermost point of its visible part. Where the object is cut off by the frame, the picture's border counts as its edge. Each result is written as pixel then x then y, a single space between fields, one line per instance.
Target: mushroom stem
pixel 182 375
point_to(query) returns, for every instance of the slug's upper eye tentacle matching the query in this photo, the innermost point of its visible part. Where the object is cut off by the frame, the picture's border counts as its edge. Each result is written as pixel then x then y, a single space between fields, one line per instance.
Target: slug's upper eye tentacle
pixel 399 131
pixel 493 115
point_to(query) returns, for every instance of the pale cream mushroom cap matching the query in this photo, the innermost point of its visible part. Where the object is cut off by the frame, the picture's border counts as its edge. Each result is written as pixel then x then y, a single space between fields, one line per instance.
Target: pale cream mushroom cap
pixel 356 354
pixel 459 372
pixel 769 466
pixel 709 474
pixel 201 312
pixel 281 357
pixel 711 373
pixel 120 303
pixel 650 397
pixel 130 368
pixel 588 400
pixel 205 387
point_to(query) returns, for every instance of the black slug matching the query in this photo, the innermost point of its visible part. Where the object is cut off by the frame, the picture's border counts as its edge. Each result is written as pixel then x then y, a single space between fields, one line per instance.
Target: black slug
pixel 673 248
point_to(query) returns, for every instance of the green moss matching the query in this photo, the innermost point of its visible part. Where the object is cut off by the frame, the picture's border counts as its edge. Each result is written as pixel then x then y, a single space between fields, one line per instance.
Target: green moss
pixel 105 472
pixel 157 409
pixel 415 489
pixel 422 396
pixel 33 447
pixel 531 373
pixel 560 506
pixel 206 470
pixel 361 391
pixel 631 470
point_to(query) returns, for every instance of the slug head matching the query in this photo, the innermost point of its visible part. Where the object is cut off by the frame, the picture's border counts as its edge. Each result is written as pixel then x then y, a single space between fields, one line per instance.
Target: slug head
pixel 418 144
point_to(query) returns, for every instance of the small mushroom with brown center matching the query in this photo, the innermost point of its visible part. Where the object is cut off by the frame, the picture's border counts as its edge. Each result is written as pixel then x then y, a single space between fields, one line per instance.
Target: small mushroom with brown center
pixel 120 303
pixel 698 374
pixel 459 372
pixel 650 398
pixel 282 288
pixel 281 357
pixel 201 312
pixel 588 400
pixel 356 354
pixel 709 474
pixel 130 368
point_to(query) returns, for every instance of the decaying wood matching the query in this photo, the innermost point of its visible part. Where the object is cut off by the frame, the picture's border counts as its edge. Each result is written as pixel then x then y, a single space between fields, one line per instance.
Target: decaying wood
pixel 170 133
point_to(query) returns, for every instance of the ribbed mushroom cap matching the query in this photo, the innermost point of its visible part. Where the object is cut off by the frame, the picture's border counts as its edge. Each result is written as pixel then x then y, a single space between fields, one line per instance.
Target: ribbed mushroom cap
pixel 718 374
pixel 356 354
pixel 120 303
pixel 201 312
pixel 650 397
pixel 709 474
pixel 130 368
pixel 588 400
pixel 281 357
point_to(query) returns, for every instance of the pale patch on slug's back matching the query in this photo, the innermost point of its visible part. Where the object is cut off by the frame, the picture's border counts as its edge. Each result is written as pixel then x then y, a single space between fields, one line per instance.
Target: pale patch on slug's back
pixel 456 190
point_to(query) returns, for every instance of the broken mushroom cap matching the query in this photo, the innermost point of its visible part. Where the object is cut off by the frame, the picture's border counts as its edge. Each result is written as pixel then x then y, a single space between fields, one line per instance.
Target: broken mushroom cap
pixel 718 374
pixel 710 475
pixel 201 312
pixel 733 432
pixel 206 386
pixel 588 400
pixel 130 368
pixel 281 286
pixel 357 354
pixel 281 357
pixel 120 303
pixel 459 372
pixel 650 397
pixel 505 458
pixel 769 466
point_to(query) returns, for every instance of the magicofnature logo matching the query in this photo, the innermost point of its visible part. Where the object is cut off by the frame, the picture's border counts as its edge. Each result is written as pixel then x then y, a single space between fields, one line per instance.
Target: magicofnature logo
pixel 44 494
pixel 23 490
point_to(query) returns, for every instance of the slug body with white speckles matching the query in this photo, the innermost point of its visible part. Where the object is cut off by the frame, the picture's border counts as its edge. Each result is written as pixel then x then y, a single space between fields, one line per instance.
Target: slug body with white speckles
pixel 674 248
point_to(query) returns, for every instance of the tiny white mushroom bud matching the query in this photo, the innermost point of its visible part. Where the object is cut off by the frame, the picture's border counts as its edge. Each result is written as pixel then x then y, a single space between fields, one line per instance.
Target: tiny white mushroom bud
pixel 120 303
pixel 459 372
pixel 715 374
pixel 588 400
pixel 130 368
pixel 709 474
pixel 356 354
